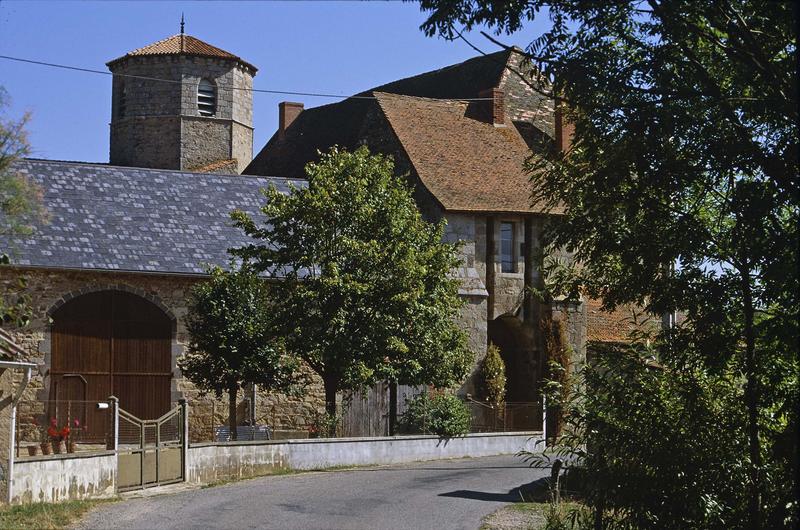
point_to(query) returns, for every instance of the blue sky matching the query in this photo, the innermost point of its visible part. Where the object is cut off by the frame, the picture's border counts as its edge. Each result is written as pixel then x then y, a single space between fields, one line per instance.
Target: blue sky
pixel 331 47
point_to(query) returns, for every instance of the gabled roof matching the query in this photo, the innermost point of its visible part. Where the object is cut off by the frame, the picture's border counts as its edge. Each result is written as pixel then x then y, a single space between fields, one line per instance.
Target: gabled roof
pixel 319 128
pixel 315 129
pixel 182 44
pixel 131 219
pixel 459 81
pixel 466 163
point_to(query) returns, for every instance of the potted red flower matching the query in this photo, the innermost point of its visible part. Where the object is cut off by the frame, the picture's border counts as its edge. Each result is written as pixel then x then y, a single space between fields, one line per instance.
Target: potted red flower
pixel 57 435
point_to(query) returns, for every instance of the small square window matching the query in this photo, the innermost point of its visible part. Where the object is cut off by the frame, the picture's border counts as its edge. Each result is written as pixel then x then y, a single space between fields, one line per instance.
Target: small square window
pixel 508 258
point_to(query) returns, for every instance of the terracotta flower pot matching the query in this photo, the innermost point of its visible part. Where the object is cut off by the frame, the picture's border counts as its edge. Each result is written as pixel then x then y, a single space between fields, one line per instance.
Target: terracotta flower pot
pixel 58 448
pixel 32 450
pixel 46 448
pixel 70 446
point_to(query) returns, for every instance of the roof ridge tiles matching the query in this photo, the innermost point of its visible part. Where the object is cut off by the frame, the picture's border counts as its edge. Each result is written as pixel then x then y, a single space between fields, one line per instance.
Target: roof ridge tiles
pixel 182 44
pixel 449 101
pixel 140 49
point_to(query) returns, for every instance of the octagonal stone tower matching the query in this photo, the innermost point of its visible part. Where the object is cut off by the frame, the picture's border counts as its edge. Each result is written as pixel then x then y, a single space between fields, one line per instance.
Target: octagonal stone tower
pixel 181 103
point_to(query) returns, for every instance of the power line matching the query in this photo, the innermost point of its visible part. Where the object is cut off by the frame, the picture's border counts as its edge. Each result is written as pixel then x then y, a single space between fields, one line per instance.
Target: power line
pixel 227 87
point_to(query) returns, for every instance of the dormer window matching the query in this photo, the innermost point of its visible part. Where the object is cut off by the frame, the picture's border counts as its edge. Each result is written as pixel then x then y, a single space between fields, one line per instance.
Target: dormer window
pixel 206 98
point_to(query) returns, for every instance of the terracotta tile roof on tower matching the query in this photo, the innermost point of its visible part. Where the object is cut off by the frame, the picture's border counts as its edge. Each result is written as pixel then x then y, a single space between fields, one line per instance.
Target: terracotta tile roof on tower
pixel 181 44
pixel 466 163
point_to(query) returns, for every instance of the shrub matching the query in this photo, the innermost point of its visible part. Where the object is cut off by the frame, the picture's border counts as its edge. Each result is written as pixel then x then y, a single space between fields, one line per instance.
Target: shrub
pixel 661 446
pixel 438 413
pixel 493 377
pixel 324 425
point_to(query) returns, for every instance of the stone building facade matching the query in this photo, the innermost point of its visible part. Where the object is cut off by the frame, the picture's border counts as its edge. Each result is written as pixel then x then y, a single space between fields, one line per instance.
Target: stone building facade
pixel 49 289
pixel 461 136
pixel 147 224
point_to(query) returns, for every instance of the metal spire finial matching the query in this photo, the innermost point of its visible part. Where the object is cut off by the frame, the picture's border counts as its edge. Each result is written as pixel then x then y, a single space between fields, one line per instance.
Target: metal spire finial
pixel 182 23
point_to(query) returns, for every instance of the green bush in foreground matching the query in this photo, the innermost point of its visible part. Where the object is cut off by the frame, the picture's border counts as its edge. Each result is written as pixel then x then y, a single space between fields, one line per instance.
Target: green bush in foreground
pixel 437 413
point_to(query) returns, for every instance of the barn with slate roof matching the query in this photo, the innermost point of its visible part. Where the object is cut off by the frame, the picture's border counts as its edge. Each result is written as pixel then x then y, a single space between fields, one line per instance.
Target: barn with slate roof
pixel 109 273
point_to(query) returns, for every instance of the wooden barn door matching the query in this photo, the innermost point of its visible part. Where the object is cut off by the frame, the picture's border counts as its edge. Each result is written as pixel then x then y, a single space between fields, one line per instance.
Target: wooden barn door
pixel 111 342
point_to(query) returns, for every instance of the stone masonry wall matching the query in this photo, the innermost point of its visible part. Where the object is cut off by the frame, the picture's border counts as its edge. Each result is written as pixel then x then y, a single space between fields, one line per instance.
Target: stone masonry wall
pixel 47 287
pixel 146 142
pixel 241 145
pixel 524 104
pixel 203 141
pixel 135 142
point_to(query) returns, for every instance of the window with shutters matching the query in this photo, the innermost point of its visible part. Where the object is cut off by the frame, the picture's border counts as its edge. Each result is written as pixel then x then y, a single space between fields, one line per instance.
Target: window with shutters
pixel 206 98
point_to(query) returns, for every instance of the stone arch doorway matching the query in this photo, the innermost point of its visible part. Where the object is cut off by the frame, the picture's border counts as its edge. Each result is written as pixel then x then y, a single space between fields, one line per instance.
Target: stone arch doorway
pixel 517 348
pixel 111 343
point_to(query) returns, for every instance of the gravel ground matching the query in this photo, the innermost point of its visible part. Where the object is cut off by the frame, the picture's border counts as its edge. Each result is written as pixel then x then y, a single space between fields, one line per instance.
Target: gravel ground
pixel 507 518
pixel 440 495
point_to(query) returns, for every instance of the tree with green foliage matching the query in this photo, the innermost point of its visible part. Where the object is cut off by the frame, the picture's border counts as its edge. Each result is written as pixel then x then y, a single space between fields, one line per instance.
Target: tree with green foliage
pixel 366 292
pixel 493 377
pixel 680 190
pixel 20 206
pixel 230 342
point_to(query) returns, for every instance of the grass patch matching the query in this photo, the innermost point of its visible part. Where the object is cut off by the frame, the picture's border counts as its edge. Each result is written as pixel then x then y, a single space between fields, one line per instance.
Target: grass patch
pixel 537 516
pixel 45 515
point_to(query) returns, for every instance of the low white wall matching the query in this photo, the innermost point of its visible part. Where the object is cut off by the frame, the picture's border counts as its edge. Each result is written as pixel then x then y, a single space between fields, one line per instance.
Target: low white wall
pixel 318 454
pixel 209 463
pixel 220 461
pixel 65 477
pixel 77 476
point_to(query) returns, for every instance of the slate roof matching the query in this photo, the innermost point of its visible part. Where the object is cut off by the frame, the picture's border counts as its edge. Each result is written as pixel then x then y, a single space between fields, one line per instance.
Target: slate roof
pixel 182 44
pixel 466 163
pixel 114 218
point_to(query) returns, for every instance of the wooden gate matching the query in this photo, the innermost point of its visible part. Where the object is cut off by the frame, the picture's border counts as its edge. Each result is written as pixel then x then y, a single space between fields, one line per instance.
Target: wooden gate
pixel 150 452
pixel 112 343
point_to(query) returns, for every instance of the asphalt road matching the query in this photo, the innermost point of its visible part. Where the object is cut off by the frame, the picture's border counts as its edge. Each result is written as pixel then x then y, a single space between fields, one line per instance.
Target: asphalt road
pixel 439 495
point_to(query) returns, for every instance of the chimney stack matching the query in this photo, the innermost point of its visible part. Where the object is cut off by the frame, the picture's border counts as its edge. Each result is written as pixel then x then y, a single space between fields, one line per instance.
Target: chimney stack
pixel 564 129
pixel 288 111
pixel 496 108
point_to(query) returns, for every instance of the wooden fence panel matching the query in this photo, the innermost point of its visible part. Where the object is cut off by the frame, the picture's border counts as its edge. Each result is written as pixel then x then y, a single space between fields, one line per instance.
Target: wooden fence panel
pixel 367 413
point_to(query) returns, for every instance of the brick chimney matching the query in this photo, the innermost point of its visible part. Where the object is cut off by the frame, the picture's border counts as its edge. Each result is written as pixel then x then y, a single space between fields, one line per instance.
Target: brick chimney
pixel 564 129
pixel 288 111
pixel 496 107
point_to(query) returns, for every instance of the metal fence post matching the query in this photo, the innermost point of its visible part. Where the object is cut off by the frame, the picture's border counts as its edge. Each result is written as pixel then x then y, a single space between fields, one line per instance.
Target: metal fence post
pixel 114 438
pixel 544 419
pixel 184 435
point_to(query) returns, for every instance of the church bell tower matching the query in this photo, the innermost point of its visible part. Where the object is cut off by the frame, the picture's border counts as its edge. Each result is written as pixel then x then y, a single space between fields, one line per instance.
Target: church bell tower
pixel 181 103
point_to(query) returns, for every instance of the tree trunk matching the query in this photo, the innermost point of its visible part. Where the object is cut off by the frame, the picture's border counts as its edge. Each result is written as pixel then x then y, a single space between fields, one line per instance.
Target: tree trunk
pixel 751 398
pixel 392 408
pixel 331 386
pixel 232 411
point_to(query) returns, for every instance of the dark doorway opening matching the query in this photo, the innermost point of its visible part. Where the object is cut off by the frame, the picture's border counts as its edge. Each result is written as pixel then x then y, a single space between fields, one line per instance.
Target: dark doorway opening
pixel 517 348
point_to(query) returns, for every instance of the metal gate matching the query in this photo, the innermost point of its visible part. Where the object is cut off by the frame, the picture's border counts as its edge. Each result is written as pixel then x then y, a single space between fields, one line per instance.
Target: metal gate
pixel 150 452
